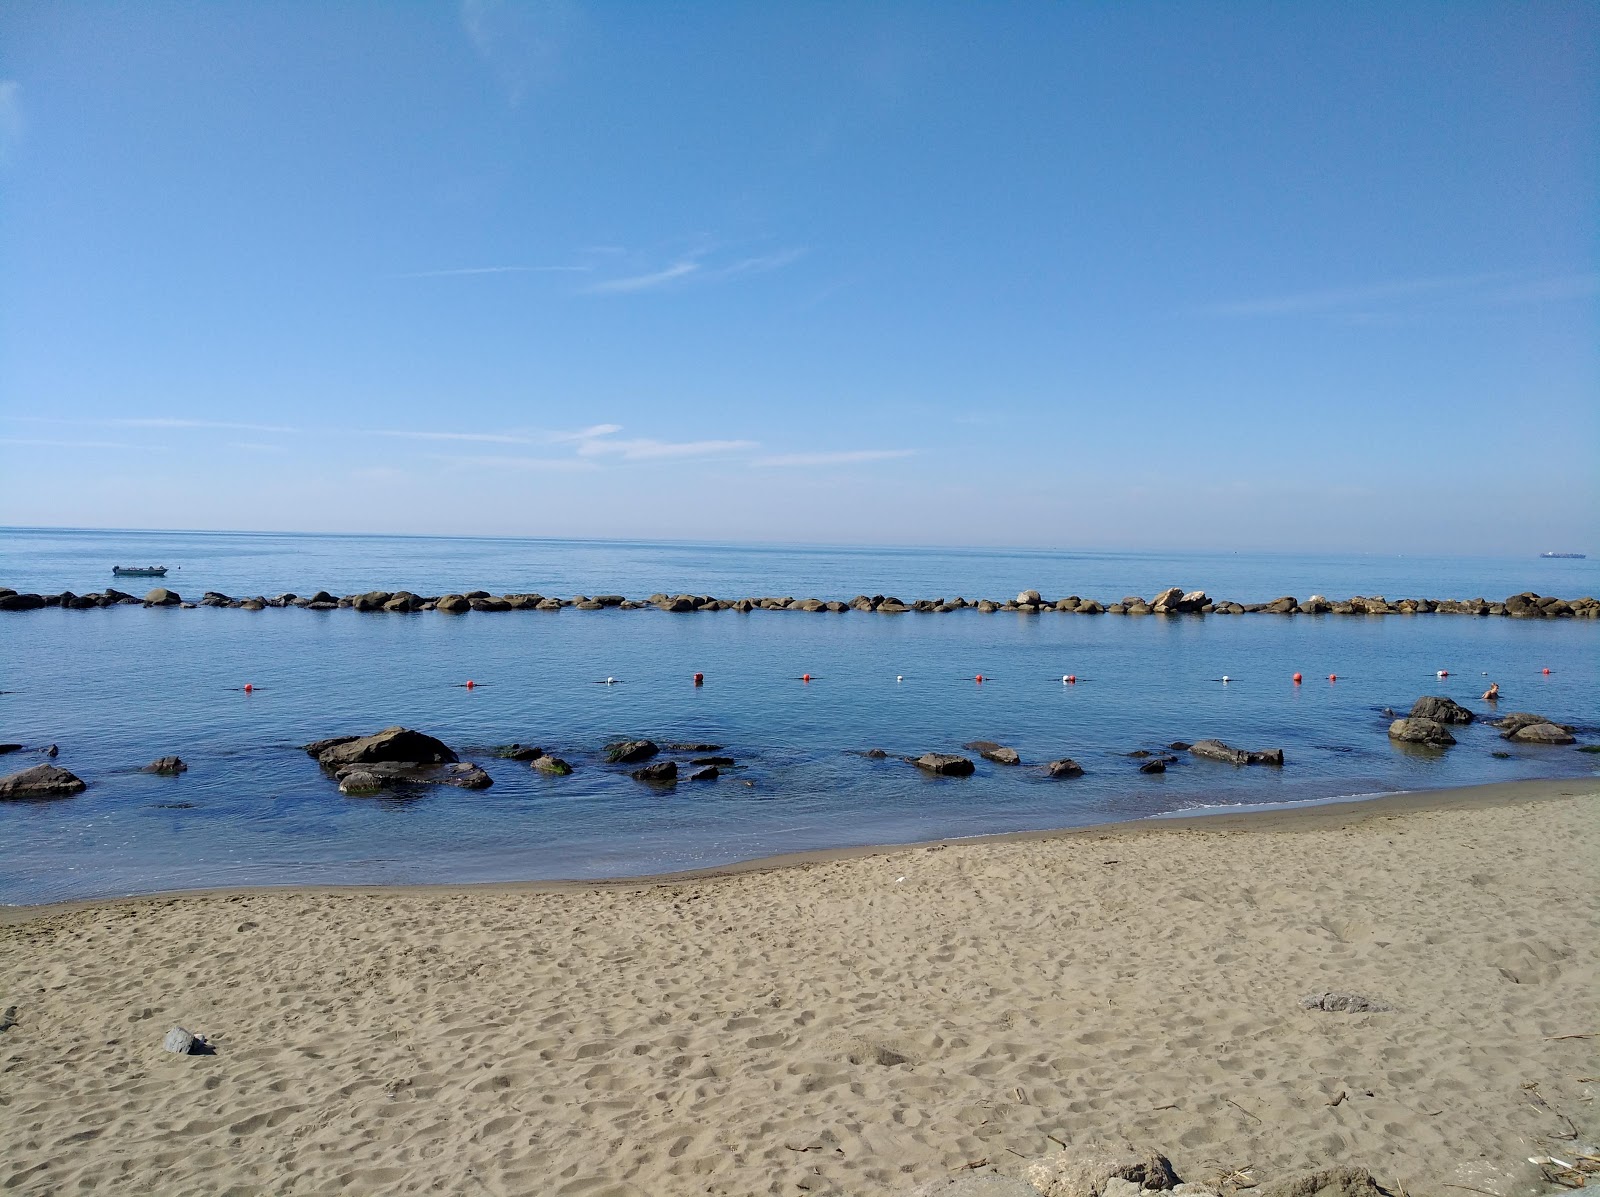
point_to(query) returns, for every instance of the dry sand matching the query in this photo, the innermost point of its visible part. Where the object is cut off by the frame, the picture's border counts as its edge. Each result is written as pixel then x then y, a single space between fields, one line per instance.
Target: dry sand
pixel 855 1024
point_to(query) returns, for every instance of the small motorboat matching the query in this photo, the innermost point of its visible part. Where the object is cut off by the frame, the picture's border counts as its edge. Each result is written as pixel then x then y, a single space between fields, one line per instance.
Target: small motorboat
pixel 139 571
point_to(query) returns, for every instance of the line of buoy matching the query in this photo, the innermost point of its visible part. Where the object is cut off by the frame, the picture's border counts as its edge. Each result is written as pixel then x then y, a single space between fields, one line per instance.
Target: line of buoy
pixel 979 679
pixel 699 679
pixel 249 689
pixel 1333 677
pixel 1069 679
pixel 1545 671
pixel 1298 679
pixel 805 677
pixel 609 681
pixel 1443 673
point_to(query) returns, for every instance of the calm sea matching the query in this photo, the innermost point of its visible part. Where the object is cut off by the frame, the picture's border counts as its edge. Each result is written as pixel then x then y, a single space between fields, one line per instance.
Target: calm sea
pixel 115 688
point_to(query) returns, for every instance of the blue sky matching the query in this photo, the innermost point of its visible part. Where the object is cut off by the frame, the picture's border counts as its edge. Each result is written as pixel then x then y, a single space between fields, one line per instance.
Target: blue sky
pixel 1222 276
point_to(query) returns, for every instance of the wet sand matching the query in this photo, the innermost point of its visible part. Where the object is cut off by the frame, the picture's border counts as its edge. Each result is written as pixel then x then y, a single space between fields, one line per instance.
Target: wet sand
pixel 851 1022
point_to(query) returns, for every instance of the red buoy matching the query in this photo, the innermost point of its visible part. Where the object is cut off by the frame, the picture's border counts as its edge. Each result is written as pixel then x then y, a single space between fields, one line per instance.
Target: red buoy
pixel 699 679
pixel 1333 677
pixel 1545 671
pixel 979 679
pixel 1297 679
pixel 471 683
pixel 1072 679
pixel 805 677
pixel 248 688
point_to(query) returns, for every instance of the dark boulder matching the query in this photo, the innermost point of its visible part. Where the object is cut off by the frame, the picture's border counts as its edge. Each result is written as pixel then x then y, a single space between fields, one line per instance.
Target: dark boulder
pixel 709 773
pixel 552 765
pixel 945 764
pixel 167 765
pixel 398 744
pixel 1440 710
pixel 1517 720
pixel 453 604
pixel 629 752
pixel 1159 765
pixel 1065 767
pixel 660 773
pixel 162 597
pixel 722 762
pixel 1421 731
pixel 875 754
pixel 41 781
pixel 21 602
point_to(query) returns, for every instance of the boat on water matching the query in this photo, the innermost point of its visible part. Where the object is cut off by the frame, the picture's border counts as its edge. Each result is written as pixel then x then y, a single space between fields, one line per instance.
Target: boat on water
pixel 1563 556
pixel 139 571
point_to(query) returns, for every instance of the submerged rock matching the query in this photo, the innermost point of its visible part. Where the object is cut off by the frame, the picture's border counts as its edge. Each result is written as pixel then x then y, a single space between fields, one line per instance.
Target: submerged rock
pixel 553 765
pixel 1065 767
pixel 42 781
pixel 370 776
pixel 166 765
pixel 709 773
pixel 518 752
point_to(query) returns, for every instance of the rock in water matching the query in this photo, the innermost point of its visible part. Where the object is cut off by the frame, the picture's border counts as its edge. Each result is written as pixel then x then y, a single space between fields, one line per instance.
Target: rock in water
pixel 1421 731
pixel 946 764
pixel 990 751
pixel 553 765
pixel 1065 767
pixel 360 783
pixel 1440 710
pixel 629 752
pixel 1344 1003
pixel 661 773
pixel 162 597
pixel 709 773
pixel 518 752
pixel 1518 720
pixel 41 781
pixel 1159 765
pixel 1216 750
pixel 391 744
pixel 167 765
pixel 1541 733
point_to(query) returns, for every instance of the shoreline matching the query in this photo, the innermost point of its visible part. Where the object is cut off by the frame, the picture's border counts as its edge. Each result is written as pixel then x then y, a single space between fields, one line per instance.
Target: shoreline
pixel 1310 815
pixel 855 1023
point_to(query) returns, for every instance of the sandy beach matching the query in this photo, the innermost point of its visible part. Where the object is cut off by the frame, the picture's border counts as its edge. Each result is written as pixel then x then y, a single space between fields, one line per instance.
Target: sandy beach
pixel 856 1023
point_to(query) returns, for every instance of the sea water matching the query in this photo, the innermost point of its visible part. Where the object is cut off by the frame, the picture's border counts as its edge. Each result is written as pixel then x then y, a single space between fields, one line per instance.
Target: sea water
pixel 117 687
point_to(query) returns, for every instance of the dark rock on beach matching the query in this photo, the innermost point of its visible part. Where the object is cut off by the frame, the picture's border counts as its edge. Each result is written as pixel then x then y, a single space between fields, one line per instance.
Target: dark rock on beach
pixel 41 781
pixel 1440 710
pixel 169 766
pixel 628 752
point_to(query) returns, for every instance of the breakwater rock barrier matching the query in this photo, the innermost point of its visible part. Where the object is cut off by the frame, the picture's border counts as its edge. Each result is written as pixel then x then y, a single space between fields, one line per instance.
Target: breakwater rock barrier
pixel 1174 601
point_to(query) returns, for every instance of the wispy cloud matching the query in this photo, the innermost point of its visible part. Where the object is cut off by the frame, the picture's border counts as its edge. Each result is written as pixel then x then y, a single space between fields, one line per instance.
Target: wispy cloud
pixel 589 433
pixel 152 422
pixel 700 267
pixel 841 457
pixel 471 270
pixel 647 449
pixel 257 447
pixel 646 282
pixel 12 125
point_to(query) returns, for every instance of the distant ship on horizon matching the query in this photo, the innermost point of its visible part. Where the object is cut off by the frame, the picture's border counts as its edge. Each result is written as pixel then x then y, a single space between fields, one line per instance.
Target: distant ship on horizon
pixel 1563 556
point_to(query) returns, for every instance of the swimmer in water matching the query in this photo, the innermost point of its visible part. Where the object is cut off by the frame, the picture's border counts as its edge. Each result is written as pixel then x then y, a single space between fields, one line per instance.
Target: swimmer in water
pixel 1492 694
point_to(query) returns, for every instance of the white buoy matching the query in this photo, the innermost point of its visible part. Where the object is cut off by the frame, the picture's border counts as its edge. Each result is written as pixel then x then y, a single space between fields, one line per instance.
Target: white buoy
pixel 1226 678
pixel 899 677
pixel 611 681
pixel 1442 673
pixel 1063 679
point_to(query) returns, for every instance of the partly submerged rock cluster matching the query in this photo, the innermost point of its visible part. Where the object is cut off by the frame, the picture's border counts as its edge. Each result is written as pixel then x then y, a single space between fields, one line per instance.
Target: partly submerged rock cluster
pixel 1172 601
